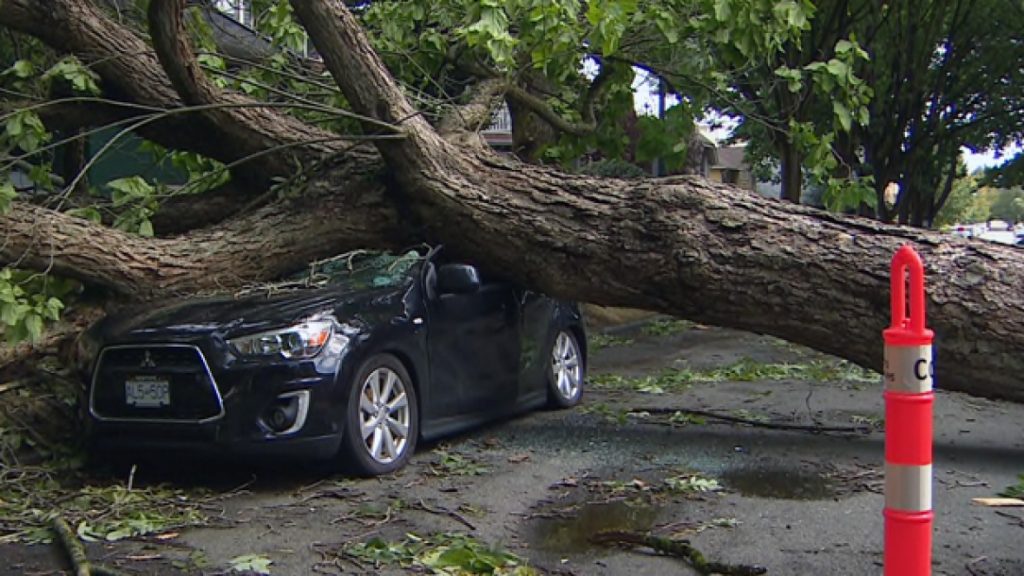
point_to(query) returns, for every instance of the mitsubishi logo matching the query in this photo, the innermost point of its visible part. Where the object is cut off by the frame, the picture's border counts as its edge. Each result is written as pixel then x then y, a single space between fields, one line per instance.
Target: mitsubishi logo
pixel 147 361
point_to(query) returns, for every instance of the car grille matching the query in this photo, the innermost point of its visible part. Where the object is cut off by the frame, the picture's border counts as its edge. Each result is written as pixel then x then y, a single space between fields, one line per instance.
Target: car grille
pixel 192 393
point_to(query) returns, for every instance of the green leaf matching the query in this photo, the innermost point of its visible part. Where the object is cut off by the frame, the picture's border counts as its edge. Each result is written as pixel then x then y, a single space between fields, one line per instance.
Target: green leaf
pixel 90 213
pixel 723 10
pixel 85 532
pixel 257 563
pixel 53 308
pixel 146 229
pixel 21 69
pixel 34 326
pixel 130 189
pixel 7 195
pixel 72 71
pixel 838 68
pixel 793 77
pixel 842 115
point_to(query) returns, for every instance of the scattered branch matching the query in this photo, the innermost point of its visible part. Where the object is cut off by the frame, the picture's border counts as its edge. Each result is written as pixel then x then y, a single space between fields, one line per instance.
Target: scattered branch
pixel 477 112
pixel 678 549
pixel 817 429
pixel 76 552
pixel 72 547
pixel 544 110
pixel 446 512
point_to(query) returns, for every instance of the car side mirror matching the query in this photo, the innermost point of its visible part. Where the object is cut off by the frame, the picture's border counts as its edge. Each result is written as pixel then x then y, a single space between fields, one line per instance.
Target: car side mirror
pixel 457 279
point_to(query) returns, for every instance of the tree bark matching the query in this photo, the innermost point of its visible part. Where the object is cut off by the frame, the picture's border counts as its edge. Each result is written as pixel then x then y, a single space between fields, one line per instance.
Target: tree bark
pixel 791 173
pixel 264 244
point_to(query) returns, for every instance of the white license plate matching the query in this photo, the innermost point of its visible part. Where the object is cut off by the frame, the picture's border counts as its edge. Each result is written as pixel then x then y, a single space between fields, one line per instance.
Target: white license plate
pixel 147 391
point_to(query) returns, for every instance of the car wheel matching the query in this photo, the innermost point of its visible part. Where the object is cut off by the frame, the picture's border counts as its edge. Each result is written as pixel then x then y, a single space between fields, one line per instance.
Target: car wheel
pixel 382 418
pixel 565 373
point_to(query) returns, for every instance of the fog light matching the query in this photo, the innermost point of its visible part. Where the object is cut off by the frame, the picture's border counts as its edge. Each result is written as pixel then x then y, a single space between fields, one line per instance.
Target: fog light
pixel 288 412
pixel 282 417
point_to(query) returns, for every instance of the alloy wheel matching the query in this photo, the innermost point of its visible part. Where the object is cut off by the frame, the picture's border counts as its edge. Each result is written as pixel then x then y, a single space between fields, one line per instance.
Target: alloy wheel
pixel 384 415
pixel 566 367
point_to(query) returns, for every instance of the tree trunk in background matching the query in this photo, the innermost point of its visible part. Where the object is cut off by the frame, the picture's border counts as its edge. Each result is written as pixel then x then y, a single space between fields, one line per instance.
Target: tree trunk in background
pixel 791 173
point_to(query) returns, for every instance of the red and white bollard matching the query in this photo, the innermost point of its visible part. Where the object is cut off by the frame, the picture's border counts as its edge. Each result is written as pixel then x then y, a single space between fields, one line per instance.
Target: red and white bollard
pixel 908 424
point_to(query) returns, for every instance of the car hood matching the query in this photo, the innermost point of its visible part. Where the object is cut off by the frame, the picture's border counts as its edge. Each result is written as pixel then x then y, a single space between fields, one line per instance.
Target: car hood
pixel 228 316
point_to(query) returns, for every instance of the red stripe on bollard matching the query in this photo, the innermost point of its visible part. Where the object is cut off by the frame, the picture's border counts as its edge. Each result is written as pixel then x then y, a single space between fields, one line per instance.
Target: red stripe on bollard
pixel 908 423
pixel 908 426
pixel 908 535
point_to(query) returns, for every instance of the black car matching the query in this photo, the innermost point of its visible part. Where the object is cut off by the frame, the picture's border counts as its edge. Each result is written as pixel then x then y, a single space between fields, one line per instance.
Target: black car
pixel 357 357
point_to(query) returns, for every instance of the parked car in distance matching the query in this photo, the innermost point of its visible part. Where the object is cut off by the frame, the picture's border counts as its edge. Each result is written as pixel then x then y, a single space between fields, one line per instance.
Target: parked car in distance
pixel 357 358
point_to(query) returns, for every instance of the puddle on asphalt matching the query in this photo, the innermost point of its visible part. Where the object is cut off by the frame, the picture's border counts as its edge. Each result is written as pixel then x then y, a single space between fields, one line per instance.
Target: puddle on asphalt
pixel 572 535
pixel 779 483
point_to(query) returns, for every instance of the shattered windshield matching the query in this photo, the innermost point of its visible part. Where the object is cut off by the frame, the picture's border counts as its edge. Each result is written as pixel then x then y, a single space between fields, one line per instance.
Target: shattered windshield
pixel 359 269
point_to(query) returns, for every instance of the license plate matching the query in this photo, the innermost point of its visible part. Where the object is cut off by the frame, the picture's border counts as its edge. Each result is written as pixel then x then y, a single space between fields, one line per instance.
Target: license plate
pixel 147 391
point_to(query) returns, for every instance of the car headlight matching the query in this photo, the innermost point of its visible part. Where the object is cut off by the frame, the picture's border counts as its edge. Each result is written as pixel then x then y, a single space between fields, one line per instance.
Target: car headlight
pixel 300 341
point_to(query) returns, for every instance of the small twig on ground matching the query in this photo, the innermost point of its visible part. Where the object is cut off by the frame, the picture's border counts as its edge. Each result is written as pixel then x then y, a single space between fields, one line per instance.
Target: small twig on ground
pixel 678 549
pixel 817 429
pixel 1018 519
pixel 341 493
pixel 810 413
pixel 241 488
pixel 447 512
pixel 970 564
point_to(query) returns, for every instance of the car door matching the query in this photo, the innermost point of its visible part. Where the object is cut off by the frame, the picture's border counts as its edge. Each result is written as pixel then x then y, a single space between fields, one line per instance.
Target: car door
pixel 537 314
pixel 473 343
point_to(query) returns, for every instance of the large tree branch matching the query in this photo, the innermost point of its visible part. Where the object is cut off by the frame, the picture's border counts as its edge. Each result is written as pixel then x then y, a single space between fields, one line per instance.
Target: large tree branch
pixel 257 246
pixel 523 97
pixel 369 87
pixel 251 129
pixel 477 111
pixel 545 112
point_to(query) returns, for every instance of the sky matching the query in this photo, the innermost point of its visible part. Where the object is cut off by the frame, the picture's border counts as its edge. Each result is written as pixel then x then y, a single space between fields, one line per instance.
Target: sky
pixel 645 101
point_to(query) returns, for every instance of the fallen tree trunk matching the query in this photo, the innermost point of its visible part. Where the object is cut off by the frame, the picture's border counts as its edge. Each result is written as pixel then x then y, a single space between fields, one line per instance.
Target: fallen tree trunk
pixel 682 246
pixel 687 247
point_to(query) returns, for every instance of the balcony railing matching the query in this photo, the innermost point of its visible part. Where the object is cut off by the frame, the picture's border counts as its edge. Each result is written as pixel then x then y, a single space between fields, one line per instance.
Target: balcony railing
pixel 501 121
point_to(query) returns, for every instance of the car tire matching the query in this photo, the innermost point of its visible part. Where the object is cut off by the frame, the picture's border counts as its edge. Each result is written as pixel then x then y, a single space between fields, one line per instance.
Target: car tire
pixel 381 418
pixel 565 371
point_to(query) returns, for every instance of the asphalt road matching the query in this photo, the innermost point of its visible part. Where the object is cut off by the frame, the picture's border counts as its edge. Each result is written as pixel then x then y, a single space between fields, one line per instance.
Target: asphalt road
pixel 542 486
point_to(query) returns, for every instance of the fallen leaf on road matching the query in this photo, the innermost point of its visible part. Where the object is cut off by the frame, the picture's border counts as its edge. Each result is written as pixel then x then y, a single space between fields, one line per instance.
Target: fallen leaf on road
pixel 517 458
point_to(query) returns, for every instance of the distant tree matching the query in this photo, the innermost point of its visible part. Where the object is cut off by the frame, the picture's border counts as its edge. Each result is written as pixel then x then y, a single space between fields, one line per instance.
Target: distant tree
pixel 965 203
pixel 945 74
pixel 1008 205
pixel 1008 174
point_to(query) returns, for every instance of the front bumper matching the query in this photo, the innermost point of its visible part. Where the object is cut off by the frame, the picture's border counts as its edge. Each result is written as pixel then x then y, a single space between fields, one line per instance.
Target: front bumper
pixel 237 423
pixel 156 441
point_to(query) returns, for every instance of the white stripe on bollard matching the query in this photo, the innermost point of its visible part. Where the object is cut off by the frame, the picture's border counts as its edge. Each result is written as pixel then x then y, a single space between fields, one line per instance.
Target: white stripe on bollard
pixel 908 369
pixel 908 488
